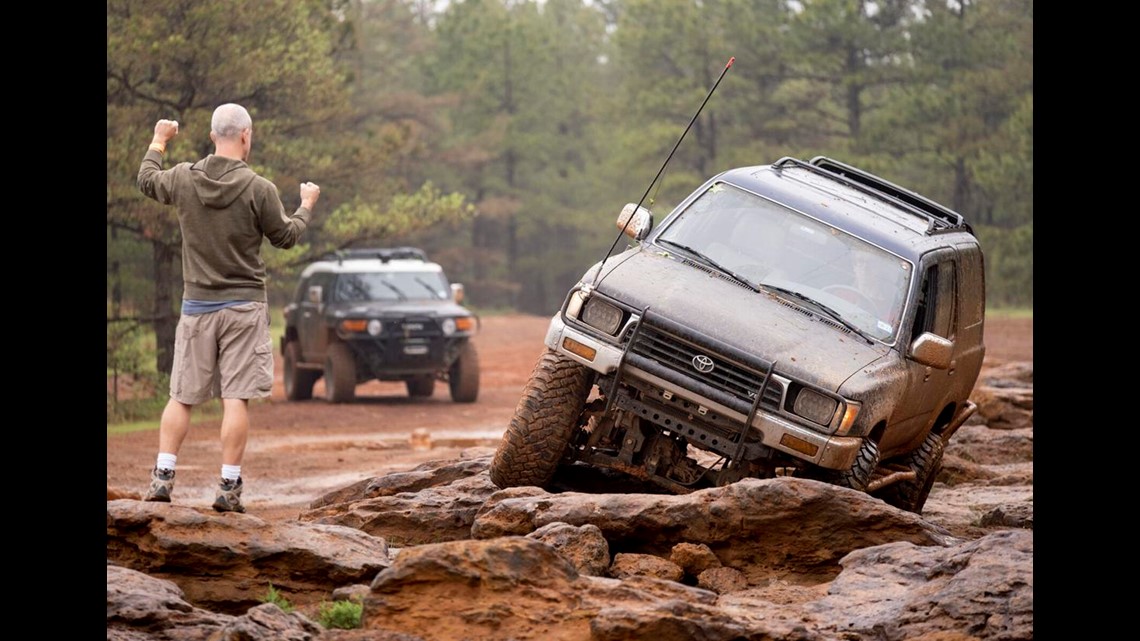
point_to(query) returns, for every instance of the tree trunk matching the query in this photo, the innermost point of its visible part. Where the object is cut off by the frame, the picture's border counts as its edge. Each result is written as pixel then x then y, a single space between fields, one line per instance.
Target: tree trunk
pixel 165 320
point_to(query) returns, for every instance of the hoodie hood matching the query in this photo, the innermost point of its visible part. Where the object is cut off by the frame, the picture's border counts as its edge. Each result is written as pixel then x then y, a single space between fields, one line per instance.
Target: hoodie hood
pixel 218 180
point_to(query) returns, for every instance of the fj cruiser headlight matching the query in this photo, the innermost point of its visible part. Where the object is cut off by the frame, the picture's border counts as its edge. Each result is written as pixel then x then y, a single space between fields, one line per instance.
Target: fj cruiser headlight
pixel 814 406
pixel 601 315
pixel 375 327
pixel 448 326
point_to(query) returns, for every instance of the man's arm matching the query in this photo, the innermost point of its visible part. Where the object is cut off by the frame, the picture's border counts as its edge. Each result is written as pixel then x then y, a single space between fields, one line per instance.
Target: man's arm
pixel 284 231
pixel 152 181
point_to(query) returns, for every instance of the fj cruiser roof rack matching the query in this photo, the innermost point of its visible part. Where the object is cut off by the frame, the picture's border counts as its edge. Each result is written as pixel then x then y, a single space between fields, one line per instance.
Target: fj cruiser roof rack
pixel 385 254
pixel 939 219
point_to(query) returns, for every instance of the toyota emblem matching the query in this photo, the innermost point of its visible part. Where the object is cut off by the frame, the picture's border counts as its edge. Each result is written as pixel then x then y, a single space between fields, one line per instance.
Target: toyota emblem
pixel 702 363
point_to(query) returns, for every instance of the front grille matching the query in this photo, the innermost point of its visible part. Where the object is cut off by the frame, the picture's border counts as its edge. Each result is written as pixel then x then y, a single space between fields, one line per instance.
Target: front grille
pixel 728 376
pixel 413 327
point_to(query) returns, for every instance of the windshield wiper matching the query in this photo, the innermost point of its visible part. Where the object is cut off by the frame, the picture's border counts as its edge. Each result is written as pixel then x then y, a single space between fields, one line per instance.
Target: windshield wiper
pixel 818 305
pixel 401 296
pixel 711 263
pixel 428 286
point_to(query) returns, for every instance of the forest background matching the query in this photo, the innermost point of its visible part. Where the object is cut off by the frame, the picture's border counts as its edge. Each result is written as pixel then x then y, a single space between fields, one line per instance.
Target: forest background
pixel 504 136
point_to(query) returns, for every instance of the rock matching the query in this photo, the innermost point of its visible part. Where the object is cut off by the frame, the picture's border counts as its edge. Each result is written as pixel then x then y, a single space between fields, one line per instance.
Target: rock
pixel 628 564
pixel 584 546
pixel 226 562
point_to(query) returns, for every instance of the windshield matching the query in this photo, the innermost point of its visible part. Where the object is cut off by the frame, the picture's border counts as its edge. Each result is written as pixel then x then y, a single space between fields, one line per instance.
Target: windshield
pixel 773 247
pixel 391 286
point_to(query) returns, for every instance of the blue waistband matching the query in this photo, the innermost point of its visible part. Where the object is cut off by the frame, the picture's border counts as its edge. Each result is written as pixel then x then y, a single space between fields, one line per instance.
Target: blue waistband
pixel 193 307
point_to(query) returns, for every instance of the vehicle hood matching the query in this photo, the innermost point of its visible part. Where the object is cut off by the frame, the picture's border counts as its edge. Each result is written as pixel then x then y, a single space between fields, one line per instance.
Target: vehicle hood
pixel 440 308
pixel 775 329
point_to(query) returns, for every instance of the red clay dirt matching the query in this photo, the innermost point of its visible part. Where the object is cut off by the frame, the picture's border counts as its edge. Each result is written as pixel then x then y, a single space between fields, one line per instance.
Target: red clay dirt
pixel 298 451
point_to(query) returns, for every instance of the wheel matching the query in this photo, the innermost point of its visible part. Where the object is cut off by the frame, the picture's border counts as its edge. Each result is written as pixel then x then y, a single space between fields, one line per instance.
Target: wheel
pixel 926 462
pixel 543 424
pixel 298 382
pixel 340 374
pixel 421 386
pixel 859 474
pixel 463 377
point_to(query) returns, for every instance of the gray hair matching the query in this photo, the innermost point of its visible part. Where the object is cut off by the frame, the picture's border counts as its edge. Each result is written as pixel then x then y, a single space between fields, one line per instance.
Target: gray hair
pixel 230 120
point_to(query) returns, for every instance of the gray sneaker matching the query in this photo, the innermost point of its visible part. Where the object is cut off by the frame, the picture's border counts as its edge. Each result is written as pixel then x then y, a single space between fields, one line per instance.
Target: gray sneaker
pixel 161 485
pixel 229 496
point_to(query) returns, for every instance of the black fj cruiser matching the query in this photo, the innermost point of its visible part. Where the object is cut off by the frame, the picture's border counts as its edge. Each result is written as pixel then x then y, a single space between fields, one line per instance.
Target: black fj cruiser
pixel 794 319
pixel 386 314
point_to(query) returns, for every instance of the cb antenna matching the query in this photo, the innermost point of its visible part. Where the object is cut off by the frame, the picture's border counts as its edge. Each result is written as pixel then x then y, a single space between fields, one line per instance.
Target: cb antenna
pixel 598 275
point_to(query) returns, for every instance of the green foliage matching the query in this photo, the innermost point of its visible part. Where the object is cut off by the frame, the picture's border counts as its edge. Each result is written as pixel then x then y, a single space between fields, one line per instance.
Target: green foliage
pixel 276 598
pixel 503 136
pixel 1009 265
pixel 342 615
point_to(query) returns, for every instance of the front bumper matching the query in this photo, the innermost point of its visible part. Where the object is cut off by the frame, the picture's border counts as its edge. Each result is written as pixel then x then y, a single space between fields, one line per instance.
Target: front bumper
pixel 769 429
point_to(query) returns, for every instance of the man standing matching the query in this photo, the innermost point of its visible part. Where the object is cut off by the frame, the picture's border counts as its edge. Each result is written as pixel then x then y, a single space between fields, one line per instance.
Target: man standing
pixel 222 343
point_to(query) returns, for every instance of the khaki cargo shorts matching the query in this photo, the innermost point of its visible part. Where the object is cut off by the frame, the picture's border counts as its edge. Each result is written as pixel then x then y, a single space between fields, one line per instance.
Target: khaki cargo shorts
pixel 223 354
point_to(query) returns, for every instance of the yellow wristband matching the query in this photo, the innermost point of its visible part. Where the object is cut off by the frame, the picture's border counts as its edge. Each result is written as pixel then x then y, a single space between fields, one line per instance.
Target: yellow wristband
pixel 159 147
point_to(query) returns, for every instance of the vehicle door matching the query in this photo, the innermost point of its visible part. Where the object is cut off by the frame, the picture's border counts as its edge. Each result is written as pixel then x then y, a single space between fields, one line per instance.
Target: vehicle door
pixel 312 325
pixel 936 312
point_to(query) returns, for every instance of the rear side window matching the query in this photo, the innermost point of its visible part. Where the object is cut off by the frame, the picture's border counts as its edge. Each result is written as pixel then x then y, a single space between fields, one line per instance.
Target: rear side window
pixel 973 292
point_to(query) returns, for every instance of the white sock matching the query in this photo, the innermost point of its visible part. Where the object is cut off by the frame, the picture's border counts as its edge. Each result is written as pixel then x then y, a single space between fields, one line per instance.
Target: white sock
pixel 231 472
pixel 166 461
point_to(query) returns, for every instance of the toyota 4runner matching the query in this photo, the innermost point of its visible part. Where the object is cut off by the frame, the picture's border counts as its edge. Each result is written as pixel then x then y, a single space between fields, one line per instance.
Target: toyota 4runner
pixel 794 319
pixel 378 314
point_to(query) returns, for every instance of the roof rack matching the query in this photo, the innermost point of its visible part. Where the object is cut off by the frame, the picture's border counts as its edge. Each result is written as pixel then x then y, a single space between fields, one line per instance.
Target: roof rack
pixel 939 218
pixel 385 254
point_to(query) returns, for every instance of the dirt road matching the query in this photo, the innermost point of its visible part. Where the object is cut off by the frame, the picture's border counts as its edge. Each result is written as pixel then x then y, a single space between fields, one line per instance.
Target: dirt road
pixel 298 451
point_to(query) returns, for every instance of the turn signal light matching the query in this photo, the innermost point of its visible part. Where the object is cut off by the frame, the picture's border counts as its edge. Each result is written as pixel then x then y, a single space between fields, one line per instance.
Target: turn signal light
pixel 574 347
pixel 354 325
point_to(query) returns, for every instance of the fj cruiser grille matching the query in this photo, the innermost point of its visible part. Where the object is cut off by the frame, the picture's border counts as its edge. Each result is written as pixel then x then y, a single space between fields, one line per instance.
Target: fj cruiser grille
pixel 726 375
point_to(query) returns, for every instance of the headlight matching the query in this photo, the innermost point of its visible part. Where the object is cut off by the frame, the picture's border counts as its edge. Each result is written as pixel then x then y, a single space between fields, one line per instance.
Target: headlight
pixel 814 406
pixel 375 327
pixel 448 326
pixel 601 315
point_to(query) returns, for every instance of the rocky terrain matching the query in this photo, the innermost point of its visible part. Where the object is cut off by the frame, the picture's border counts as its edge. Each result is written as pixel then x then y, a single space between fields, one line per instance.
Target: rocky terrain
pixel 435 551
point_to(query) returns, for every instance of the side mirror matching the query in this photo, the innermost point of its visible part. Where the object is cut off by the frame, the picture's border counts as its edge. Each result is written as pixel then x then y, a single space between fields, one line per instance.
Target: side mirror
pixel 457 292
pixel 635 221
pixel 315 294
pixel 932 350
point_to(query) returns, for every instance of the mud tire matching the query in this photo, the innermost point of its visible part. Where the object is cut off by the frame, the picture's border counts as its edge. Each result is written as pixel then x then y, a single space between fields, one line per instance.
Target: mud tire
pixel 298 382
pixel 421 386
pixel 543 424
pixel 340 374
pixel 463 377
pixel 926 462
pixel 860 472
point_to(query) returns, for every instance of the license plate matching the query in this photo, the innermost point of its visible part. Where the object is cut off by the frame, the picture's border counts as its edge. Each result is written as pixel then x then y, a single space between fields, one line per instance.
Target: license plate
pixel 416 350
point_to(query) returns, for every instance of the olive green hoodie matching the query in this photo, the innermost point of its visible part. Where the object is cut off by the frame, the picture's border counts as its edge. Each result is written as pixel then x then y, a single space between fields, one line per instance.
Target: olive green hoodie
pixel 224 209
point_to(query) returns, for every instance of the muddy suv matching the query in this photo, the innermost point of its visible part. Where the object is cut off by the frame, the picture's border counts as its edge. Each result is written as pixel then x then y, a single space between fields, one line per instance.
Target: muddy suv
pixel 800 318
pixel 383 314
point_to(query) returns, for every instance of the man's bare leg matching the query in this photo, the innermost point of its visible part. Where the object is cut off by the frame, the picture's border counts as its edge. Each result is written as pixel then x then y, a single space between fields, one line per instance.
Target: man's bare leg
pixel 235 429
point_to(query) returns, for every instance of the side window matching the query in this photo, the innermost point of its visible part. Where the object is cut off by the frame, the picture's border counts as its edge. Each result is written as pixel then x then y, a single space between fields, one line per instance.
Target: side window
pixel 937 306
